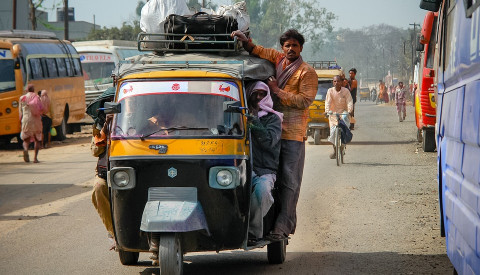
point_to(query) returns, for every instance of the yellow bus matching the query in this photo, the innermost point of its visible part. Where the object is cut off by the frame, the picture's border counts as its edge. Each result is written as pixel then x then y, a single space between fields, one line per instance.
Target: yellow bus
pixel 49 64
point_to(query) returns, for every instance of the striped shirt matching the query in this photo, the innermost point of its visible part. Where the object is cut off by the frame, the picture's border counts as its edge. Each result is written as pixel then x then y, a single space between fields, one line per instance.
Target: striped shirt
pixel 294 100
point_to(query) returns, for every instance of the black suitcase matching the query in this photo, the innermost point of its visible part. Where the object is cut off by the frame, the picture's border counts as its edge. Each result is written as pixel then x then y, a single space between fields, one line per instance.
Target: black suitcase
pixel 200 23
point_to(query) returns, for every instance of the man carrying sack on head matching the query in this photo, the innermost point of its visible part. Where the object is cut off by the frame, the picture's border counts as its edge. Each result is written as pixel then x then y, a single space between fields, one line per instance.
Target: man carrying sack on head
pixel 293 90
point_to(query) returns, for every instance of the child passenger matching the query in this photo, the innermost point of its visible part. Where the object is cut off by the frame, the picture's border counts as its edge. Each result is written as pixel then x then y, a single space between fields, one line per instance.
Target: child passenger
pixel 266 130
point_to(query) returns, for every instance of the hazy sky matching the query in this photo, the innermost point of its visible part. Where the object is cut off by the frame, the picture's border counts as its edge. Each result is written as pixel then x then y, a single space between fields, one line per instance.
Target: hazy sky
pixel 352 14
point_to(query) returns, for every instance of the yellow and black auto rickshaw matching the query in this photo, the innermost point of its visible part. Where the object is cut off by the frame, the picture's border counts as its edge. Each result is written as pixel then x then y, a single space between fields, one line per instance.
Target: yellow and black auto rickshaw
pixel 317 126
pixel 179 155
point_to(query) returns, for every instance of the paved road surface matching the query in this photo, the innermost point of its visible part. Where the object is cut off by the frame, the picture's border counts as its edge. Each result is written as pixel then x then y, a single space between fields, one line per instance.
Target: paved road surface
pixel 377 214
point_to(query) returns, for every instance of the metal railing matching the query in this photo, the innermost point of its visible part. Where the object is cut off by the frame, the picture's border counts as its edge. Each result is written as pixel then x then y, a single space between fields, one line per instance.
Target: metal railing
pixel 170 42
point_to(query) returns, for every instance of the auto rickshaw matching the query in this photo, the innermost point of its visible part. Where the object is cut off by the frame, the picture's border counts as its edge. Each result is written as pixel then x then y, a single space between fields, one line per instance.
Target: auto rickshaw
pixel 317 126
pixel 364 93
pixel 180 163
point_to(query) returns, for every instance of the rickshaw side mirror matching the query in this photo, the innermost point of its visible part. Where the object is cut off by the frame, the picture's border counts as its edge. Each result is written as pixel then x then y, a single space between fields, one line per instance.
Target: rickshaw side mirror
pixel 111 108
pixel 233 107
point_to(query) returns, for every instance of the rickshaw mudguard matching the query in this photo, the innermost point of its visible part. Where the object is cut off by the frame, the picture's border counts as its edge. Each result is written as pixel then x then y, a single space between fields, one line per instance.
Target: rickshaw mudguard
pixel 173 216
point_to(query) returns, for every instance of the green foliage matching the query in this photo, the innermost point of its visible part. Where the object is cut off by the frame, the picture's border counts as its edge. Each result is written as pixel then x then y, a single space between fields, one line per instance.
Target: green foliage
pixel 138 10
pixel 373 51
pixel 126 32
pixel 270 18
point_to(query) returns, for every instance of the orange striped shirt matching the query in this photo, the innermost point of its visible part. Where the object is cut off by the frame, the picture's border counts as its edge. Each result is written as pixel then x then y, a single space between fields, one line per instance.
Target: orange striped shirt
pixel 295 98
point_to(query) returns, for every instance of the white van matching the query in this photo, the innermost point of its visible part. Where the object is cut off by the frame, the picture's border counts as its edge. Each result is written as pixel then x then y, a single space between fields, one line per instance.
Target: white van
pixel 98 59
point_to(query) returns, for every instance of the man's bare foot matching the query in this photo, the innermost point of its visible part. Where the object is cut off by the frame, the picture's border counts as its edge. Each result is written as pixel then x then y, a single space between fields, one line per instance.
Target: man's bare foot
pixel 36 161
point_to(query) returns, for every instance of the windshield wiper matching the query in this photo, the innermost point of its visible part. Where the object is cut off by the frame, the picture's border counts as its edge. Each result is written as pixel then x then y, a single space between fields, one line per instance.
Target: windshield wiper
pixel 169 129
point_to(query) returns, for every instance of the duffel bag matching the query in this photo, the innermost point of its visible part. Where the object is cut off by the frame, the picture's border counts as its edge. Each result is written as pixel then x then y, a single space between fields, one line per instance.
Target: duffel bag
pixel 200 23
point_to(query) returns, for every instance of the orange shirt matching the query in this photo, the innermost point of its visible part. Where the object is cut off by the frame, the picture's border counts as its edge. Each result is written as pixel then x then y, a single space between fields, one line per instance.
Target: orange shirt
pixel 295 98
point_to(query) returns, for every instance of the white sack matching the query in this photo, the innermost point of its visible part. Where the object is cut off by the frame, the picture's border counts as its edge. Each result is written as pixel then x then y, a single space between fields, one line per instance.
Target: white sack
pixel 237 11
pixel 155 12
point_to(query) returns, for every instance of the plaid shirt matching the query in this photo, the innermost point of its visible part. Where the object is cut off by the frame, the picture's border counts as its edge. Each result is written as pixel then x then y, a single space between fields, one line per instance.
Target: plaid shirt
pixel 294 100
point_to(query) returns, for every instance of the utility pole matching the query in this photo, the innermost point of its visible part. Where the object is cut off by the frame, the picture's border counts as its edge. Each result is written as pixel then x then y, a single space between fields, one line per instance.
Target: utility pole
pixel 65 19
pixel 412 39
pixel 14 17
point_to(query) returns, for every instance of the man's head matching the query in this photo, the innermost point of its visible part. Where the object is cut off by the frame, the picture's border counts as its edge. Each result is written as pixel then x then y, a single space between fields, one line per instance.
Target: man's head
pixel 259 91
pixel 400 84
pixel 30 88
pixel 292 44
pixel 353 73
pixel 337 82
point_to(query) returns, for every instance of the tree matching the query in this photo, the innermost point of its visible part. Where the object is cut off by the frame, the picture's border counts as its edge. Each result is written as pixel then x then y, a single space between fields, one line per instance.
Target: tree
pixel 270 18
pixel 126 32
pixel 138 10
pixel 32 15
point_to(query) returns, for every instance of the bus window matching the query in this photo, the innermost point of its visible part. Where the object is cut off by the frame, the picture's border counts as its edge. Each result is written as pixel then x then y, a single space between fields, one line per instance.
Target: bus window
pixel 77 66
pixel 51 67
pixel 69 63
pixel 7 75
pixel 36 71
pixel 62 68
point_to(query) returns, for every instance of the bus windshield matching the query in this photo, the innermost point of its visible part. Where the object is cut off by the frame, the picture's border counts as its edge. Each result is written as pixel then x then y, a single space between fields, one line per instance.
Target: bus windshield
pixel 98 72
pixel 323 87
pixel 186 108
pixel 7 75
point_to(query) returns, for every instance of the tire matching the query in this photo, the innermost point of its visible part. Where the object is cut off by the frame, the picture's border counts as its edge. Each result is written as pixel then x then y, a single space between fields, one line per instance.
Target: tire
pixel 342 153
pixel 127 257
pixel 170 254
pixel 338 143
pixel 428 141
pixel 62 130
pixel 277 252
pixel 419 135
pixel 316 136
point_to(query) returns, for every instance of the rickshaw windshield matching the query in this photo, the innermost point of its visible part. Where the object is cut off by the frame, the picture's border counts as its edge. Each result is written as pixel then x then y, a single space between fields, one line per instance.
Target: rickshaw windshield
pixel 172 109
pixel 323 87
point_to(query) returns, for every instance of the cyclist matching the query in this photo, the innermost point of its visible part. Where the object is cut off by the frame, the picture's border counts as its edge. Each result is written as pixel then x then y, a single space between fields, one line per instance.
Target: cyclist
pixel 338 100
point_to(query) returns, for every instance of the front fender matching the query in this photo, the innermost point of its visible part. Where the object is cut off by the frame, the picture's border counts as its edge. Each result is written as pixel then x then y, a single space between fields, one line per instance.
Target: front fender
pixel 173 216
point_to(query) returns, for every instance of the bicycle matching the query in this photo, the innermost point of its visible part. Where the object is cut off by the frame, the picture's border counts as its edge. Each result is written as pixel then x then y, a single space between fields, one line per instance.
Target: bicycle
pixel 339 146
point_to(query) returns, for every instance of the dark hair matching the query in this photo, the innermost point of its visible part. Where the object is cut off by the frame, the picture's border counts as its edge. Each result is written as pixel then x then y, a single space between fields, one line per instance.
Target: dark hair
pixel 292 34
pixel 353 70
pixel 400 82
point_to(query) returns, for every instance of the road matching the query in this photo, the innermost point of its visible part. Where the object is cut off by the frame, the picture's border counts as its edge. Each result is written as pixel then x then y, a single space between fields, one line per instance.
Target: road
pixel 377 214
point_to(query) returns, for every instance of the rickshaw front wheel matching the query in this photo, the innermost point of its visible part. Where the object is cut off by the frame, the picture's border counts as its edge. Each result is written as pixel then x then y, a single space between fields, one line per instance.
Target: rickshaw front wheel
pixel 127 257
pixel 277 252
pixel 170 254
pixel 316 136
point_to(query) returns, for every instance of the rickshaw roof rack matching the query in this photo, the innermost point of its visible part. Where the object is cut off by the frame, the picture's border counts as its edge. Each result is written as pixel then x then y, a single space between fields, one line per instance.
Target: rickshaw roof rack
pixel 178 43
pixel 241 65
pixel 28 34
pixel 329 65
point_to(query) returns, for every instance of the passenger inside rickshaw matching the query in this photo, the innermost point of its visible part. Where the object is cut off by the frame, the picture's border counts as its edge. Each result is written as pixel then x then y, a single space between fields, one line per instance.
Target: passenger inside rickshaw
pixel 166 113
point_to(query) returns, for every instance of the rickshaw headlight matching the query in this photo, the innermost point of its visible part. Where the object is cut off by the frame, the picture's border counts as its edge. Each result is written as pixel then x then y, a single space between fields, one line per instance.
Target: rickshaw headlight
pixel 121 178
pixel 224 177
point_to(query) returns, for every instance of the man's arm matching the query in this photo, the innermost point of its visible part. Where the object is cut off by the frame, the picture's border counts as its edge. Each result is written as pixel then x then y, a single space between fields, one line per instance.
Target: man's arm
pixel 349 103
pixel 268 54
pixel 328 101
pixel 306 94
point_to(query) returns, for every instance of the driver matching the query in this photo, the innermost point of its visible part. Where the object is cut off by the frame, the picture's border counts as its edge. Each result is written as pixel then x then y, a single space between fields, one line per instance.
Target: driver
pixel 338 100
pixel 266 129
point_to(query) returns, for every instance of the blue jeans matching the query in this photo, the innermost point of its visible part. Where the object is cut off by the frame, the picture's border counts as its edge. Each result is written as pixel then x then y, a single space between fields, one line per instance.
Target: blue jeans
pixel 260 202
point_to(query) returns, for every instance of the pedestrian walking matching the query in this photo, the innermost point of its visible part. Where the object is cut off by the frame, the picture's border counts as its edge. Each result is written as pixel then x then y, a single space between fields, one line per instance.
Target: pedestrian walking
pixel 400 100
pixel 31 117
pixel 46 118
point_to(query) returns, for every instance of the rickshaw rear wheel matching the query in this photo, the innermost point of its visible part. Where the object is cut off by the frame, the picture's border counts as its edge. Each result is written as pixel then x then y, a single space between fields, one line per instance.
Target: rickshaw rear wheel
pixel 127 257
pixel 316 136
pixel 277 252
pixel 170 254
